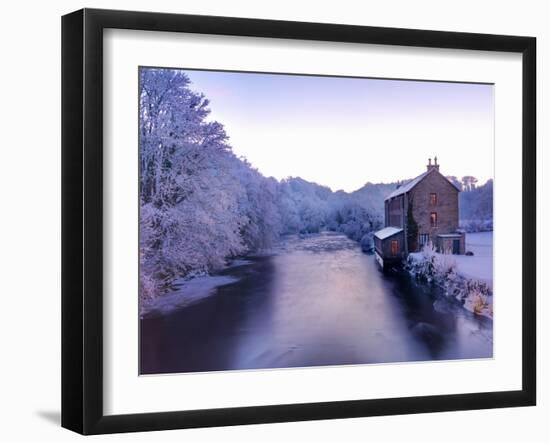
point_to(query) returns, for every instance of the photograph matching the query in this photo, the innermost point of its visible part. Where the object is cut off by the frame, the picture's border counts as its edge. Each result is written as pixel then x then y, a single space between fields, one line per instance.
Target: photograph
pixel 293 220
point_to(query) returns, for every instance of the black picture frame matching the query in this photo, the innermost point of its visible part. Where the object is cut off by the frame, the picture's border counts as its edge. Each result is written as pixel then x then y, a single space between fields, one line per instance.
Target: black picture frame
pixel 82 215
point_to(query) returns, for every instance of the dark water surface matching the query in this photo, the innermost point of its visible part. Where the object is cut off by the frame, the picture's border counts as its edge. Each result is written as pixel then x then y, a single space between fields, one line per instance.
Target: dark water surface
pixel 316 301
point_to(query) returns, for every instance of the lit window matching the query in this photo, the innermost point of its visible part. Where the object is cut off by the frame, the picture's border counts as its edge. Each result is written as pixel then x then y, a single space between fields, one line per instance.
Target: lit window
pixel 394 247
pixel 433 219
pixel 433 199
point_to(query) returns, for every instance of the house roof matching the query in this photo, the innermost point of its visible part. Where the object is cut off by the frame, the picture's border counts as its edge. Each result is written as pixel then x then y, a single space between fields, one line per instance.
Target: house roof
pixel 412 183
pixel 387 232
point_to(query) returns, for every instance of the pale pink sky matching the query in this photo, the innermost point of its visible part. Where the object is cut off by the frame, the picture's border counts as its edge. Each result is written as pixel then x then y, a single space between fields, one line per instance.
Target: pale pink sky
pixel 344 132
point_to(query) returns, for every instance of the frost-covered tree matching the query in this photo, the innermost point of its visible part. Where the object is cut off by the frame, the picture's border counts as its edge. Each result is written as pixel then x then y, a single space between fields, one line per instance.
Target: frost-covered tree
pixel 201 205
pixel 469 183
pixel 191 218
pixel 455 181
pixel 303 205
pixel 259 204
pixel 476 208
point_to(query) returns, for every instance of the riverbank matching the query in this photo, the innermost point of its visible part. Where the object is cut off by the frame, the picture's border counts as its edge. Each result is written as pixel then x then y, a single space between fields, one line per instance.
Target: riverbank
pixel 188 290
pixel 315 300
pixel 184 293
pixel 467 279
pixel 478 266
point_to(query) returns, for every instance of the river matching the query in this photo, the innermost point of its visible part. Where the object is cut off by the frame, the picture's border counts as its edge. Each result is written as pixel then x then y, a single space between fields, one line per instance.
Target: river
pixel 316 300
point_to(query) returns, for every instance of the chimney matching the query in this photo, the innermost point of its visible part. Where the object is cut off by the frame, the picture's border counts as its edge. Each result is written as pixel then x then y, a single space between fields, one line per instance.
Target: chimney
pixel 435 166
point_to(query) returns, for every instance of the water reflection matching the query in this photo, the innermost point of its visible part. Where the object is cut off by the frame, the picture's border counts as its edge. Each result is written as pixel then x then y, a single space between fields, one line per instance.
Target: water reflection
pixel 317 301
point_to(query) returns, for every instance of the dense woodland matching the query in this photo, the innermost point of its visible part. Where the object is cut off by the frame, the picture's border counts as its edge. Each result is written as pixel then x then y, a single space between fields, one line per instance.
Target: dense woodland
pixel 201 205
pixel 476 208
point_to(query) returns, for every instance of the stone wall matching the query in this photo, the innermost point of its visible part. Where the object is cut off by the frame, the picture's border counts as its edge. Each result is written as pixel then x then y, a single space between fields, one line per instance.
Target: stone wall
pixel 445 244
pixel 446 205
pixel 394 212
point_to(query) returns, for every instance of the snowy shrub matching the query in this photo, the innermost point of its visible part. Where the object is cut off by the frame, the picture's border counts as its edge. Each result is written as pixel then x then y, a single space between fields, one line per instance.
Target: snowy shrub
pixel 148 287
pixel 423 264
pixel 440 269
pixel 478 302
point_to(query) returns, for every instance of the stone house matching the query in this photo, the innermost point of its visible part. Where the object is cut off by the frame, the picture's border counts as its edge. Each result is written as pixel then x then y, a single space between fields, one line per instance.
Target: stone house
pixel 424 210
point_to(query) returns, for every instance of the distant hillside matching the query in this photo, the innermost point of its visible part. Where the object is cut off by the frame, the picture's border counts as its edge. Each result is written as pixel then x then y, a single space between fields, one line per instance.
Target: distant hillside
pixel 307 207
pixel 476 208
pixel 372 195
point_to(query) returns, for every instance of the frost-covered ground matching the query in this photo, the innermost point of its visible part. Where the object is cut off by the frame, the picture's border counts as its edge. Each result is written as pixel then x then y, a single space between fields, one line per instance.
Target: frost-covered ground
pixel 186 293
pixel 190 290
pixel 467 278
pixel 476 267
pixel 480 265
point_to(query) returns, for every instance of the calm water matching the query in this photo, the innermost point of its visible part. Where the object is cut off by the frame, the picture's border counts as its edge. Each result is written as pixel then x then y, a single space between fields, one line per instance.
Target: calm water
pixel 317 301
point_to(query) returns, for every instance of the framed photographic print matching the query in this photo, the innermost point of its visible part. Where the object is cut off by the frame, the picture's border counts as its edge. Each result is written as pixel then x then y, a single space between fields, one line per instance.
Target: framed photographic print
pixel 270 221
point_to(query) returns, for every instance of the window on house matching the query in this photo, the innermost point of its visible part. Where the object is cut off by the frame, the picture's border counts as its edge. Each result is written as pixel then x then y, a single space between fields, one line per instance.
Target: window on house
pixel 433 199
pixel 394 247
pixel 424 239
pixel 433 219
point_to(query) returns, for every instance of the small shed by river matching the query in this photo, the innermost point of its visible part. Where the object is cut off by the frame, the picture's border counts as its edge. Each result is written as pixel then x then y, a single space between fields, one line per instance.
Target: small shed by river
pixel 389 246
